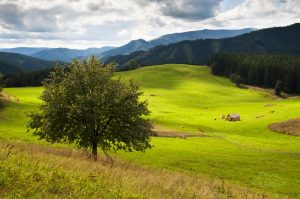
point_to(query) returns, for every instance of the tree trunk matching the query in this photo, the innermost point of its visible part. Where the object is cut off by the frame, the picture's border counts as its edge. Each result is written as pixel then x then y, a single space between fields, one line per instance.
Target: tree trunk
pixel 95 151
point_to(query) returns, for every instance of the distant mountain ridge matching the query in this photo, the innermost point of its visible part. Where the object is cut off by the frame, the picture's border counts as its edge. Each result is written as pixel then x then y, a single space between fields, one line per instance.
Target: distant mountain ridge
pixel 57 54
pixel 200 34
pixel 67 55
pixel 23 50
pixel 278 40
pixel 143 45
pixel 132 46
pixel 13 63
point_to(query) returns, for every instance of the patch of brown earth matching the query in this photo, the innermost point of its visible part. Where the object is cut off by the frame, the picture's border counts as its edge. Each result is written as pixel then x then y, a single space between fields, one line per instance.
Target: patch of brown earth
pixel 6 97
pixel 290 127
pixel 271 93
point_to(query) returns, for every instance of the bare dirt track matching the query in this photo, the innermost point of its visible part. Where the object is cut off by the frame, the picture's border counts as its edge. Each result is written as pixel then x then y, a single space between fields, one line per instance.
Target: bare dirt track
pixel 176 134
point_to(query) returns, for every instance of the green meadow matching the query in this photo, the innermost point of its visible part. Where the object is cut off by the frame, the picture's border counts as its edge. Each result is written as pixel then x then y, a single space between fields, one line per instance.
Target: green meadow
pixel 186 99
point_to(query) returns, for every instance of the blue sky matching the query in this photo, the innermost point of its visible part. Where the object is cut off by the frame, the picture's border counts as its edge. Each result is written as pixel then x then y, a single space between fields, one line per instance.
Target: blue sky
pixel 229 4
pixel 96 23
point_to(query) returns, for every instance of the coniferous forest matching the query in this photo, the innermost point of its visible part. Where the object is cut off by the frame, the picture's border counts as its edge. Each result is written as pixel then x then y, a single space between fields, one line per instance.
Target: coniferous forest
pixel 260 70
pixel 23 79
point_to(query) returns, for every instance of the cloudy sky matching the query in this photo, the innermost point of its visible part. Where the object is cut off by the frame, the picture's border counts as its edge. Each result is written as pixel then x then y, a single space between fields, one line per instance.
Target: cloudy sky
pixel 96 23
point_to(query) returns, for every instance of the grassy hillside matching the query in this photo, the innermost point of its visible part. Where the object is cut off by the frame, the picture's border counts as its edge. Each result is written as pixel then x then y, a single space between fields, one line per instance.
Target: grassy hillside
pixel 188 99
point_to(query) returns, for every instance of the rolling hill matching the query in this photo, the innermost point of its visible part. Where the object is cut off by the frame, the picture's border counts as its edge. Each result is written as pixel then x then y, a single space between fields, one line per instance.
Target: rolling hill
pixel 13 62
pixel 6 68
pixel 143 45
pixel 280 40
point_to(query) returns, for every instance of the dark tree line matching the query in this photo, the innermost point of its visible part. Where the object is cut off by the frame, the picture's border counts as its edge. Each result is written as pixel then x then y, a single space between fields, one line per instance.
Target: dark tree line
pixel 1 76
pixel 260 70
pixel 23 79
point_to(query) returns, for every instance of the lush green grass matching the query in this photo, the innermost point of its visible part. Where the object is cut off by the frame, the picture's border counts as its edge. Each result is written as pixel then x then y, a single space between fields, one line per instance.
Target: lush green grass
pixel 189 99
pixel 13 116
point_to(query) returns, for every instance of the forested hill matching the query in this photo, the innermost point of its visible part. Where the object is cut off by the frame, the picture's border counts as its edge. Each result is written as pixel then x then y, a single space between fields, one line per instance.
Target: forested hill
pixel 280 40
pixel 13 62
pixel 260 70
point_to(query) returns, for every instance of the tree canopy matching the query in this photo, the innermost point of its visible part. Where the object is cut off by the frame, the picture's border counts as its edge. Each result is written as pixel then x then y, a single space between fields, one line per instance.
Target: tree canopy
pixel 236 79
pixel 86 105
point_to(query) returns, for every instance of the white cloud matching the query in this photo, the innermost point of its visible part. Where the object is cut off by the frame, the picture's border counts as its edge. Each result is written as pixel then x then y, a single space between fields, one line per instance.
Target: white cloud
pixel 94 23
pixel 260 14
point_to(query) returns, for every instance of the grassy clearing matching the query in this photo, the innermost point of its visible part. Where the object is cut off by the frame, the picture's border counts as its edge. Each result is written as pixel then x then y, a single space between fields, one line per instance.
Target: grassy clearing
pixel 188 99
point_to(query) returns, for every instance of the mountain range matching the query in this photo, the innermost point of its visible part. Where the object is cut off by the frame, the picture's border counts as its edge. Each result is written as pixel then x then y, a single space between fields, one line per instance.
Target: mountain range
pixel 278 40
pixel 143 45
pixel 57 54
pixel 23 50
pixel 13 63
pixel 66 55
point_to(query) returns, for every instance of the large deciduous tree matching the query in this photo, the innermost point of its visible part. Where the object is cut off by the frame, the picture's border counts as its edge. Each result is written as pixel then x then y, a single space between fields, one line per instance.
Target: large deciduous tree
pixel 84 104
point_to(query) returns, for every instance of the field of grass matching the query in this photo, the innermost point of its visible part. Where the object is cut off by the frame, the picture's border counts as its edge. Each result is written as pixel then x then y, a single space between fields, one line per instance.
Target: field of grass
pixel 188 99
pixel 39 171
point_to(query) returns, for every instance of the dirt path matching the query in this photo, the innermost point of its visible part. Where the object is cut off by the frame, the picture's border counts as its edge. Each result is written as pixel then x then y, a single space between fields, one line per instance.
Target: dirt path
pixel 170 134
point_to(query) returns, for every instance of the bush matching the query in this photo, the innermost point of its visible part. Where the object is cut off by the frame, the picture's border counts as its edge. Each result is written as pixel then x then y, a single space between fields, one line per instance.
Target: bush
pixel 278 87
pixel 236 78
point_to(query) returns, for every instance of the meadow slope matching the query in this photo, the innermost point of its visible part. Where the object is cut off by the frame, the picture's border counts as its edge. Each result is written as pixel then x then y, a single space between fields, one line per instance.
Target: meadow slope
pixel 189 99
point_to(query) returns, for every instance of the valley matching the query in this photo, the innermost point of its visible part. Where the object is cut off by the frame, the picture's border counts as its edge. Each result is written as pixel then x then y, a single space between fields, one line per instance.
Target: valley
pixel 245 155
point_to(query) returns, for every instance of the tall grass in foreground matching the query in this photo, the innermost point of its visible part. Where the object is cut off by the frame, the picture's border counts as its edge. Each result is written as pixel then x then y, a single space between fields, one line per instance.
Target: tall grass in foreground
pixel 31 170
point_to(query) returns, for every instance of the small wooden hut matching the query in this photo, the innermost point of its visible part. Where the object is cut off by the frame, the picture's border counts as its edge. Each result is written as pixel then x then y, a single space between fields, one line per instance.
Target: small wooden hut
pixel 233 117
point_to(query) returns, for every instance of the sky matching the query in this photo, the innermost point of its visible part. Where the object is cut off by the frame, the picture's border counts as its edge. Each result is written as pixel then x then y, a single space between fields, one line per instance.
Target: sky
pixel 96 23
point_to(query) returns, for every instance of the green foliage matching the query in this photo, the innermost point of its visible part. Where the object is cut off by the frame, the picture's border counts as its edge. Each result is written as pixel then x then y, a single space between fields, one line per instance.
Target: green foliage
pixel 85 105
pixel 236 79
pixel 278 87
pixel 130 66
pixel 260 70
